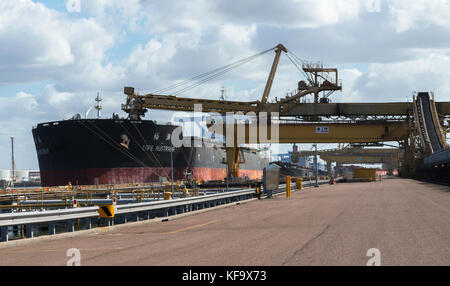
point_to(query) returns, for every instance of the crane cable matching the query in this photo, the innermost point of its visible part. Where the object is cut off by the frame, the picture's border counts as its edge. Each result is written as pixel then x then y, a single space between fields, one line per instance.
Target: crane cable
pixel 145 142
pixel 214 75
pixel 155 161
pixel 111 142
pixel 202 78
pixel 300 69
pixel 105 137
pixel 298 61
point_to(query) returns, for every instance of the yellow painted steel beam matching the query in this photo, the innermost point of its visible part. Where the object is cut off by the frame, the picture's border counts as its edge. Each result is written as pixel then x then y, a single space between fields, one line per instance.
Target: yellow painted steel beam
pixel 187 104
pixel 286 109
pixel 364 132
pixel 439 130
pixel 348 109
pixel 443 108
pixel 349 159
pixel 386 152
pixel 169 102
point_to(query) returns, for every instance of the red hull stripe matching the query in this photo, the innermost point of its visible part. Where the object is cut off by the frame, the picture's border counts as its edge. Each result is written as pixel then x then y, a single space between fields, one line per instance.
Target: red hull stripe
pixel 138 175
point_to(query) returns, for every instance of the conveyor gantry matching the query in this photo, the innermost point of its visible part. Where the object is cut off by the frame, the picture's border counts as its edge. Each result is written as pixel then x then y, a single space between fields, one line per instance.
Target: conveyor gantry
pixel 431 135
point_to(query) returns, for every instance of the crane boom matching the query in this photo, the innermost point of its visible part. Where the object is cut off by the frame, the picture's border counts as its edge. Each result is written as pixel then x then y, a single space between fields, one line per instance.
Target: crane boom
pixel 280 48
pixel 137 105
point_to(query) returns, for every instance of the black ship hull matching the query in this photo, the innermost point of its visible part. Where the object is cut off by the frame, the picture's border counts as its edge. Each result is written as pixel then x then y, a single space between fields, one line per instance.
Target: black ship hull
pixel 118 151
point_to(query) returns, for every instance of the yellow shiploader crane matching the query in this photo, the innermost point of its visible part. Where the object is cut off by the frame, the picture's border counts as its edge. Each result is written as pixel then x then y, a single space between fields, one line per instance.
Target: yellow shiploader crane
pixel 137 105
pixel 298 122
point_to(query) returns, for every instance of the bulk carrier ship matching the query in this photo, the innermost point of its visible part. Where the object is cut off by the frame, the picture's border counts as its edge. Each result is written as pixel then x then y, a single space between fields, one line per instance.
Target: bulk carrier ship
pixel 120 151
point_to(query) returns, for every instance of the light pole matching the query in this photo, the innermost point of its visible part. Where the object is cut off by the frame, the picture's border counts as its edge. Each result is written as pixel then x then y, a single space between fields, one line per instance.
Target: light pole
pixel 13 164
pixel 171 168
pixel 316 166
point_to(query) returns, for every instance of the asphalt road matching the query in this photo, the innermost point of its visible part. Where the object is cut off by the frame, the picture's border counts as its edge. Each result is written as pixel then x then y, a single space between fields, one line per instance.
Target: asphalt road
pixel 407 221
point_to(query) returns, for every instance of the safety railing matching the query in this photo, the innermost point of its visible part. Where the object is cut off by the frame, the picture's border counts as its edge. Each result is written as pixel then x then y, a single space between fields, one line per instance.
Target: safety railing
pixel 123 213
pixel 27 220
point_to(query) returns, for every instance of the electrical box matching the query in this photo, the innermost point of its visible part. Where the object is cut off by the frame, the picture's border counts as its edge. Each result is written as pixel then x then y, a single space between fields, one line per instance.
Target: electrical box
pixel 271 179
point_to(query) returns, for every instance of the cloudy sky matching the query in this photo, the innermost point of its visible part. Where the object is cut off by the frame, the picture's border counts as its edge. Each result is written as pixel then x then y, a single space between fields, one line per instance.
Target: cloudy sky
pixel 56 55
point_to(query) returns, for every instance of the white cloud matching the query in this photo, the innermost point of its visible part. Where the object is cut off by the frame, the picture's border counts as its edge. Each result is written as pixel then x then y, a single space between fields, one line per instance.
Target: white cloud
pixel 418 14
pixel 39 43
pixel 397 81
pixel 287 13
pixel 349 78
pixel 237 34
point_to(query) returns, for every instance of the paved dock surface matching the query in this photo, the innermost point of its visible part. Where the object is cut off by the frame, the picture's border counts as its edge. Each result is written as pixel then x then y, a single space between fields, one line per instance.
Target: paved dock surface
pixel 408 221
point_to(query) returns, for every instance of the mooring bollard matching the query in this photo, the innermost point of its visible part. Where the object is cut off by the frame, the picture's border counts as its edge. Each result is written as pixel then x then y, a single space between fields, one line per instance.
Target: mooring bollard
pixel 299 184
pixel 288 186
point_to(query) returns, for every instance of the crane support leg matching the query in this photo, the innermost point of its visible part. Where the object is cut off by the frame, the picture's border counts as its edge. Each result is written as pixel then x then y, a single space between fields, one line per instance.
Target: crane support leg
pixel 233 158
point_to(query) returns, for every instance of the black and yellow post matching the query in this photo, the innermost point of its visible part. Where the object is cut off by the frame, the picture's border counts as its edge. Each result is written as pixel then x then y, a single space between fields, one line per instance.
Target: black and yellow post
pixel 288 186
pixel 299 184
pixel 106 211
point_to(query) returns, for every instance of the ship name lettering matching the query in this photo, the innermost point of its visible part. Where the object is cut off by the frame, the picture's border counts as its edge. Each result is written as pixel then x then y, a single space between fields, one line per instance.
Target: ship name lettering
pixel 163 148
pixel 160 148
pixel 148 147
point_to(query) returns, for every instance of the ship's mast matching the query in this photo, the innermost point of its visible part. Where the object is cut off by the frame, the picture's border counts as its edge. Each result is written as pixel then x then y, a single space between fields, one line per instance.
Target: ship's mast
pixel 98 107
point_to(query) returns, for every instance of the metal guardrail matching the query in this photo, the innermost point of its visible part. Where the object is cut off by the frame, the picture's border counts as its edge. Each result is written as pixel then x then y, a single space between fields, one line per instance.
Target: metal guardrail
pixel 308 183
pixel 28 219
pixel 69 215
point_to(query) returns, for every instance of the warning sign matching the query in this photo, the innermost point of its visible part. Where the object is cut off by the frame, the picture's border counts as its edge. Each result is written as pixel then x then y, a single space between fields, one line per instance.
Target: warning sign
pixel 322 129
pixel 106 211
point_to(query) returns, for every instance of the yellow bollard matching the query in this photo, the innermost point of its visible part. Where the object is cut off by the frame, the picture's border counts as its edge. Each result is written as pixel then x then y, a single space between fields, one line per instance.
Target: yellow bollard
pixel 299 184
pixel 288 186
pixel 167 195
pixel 258 193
